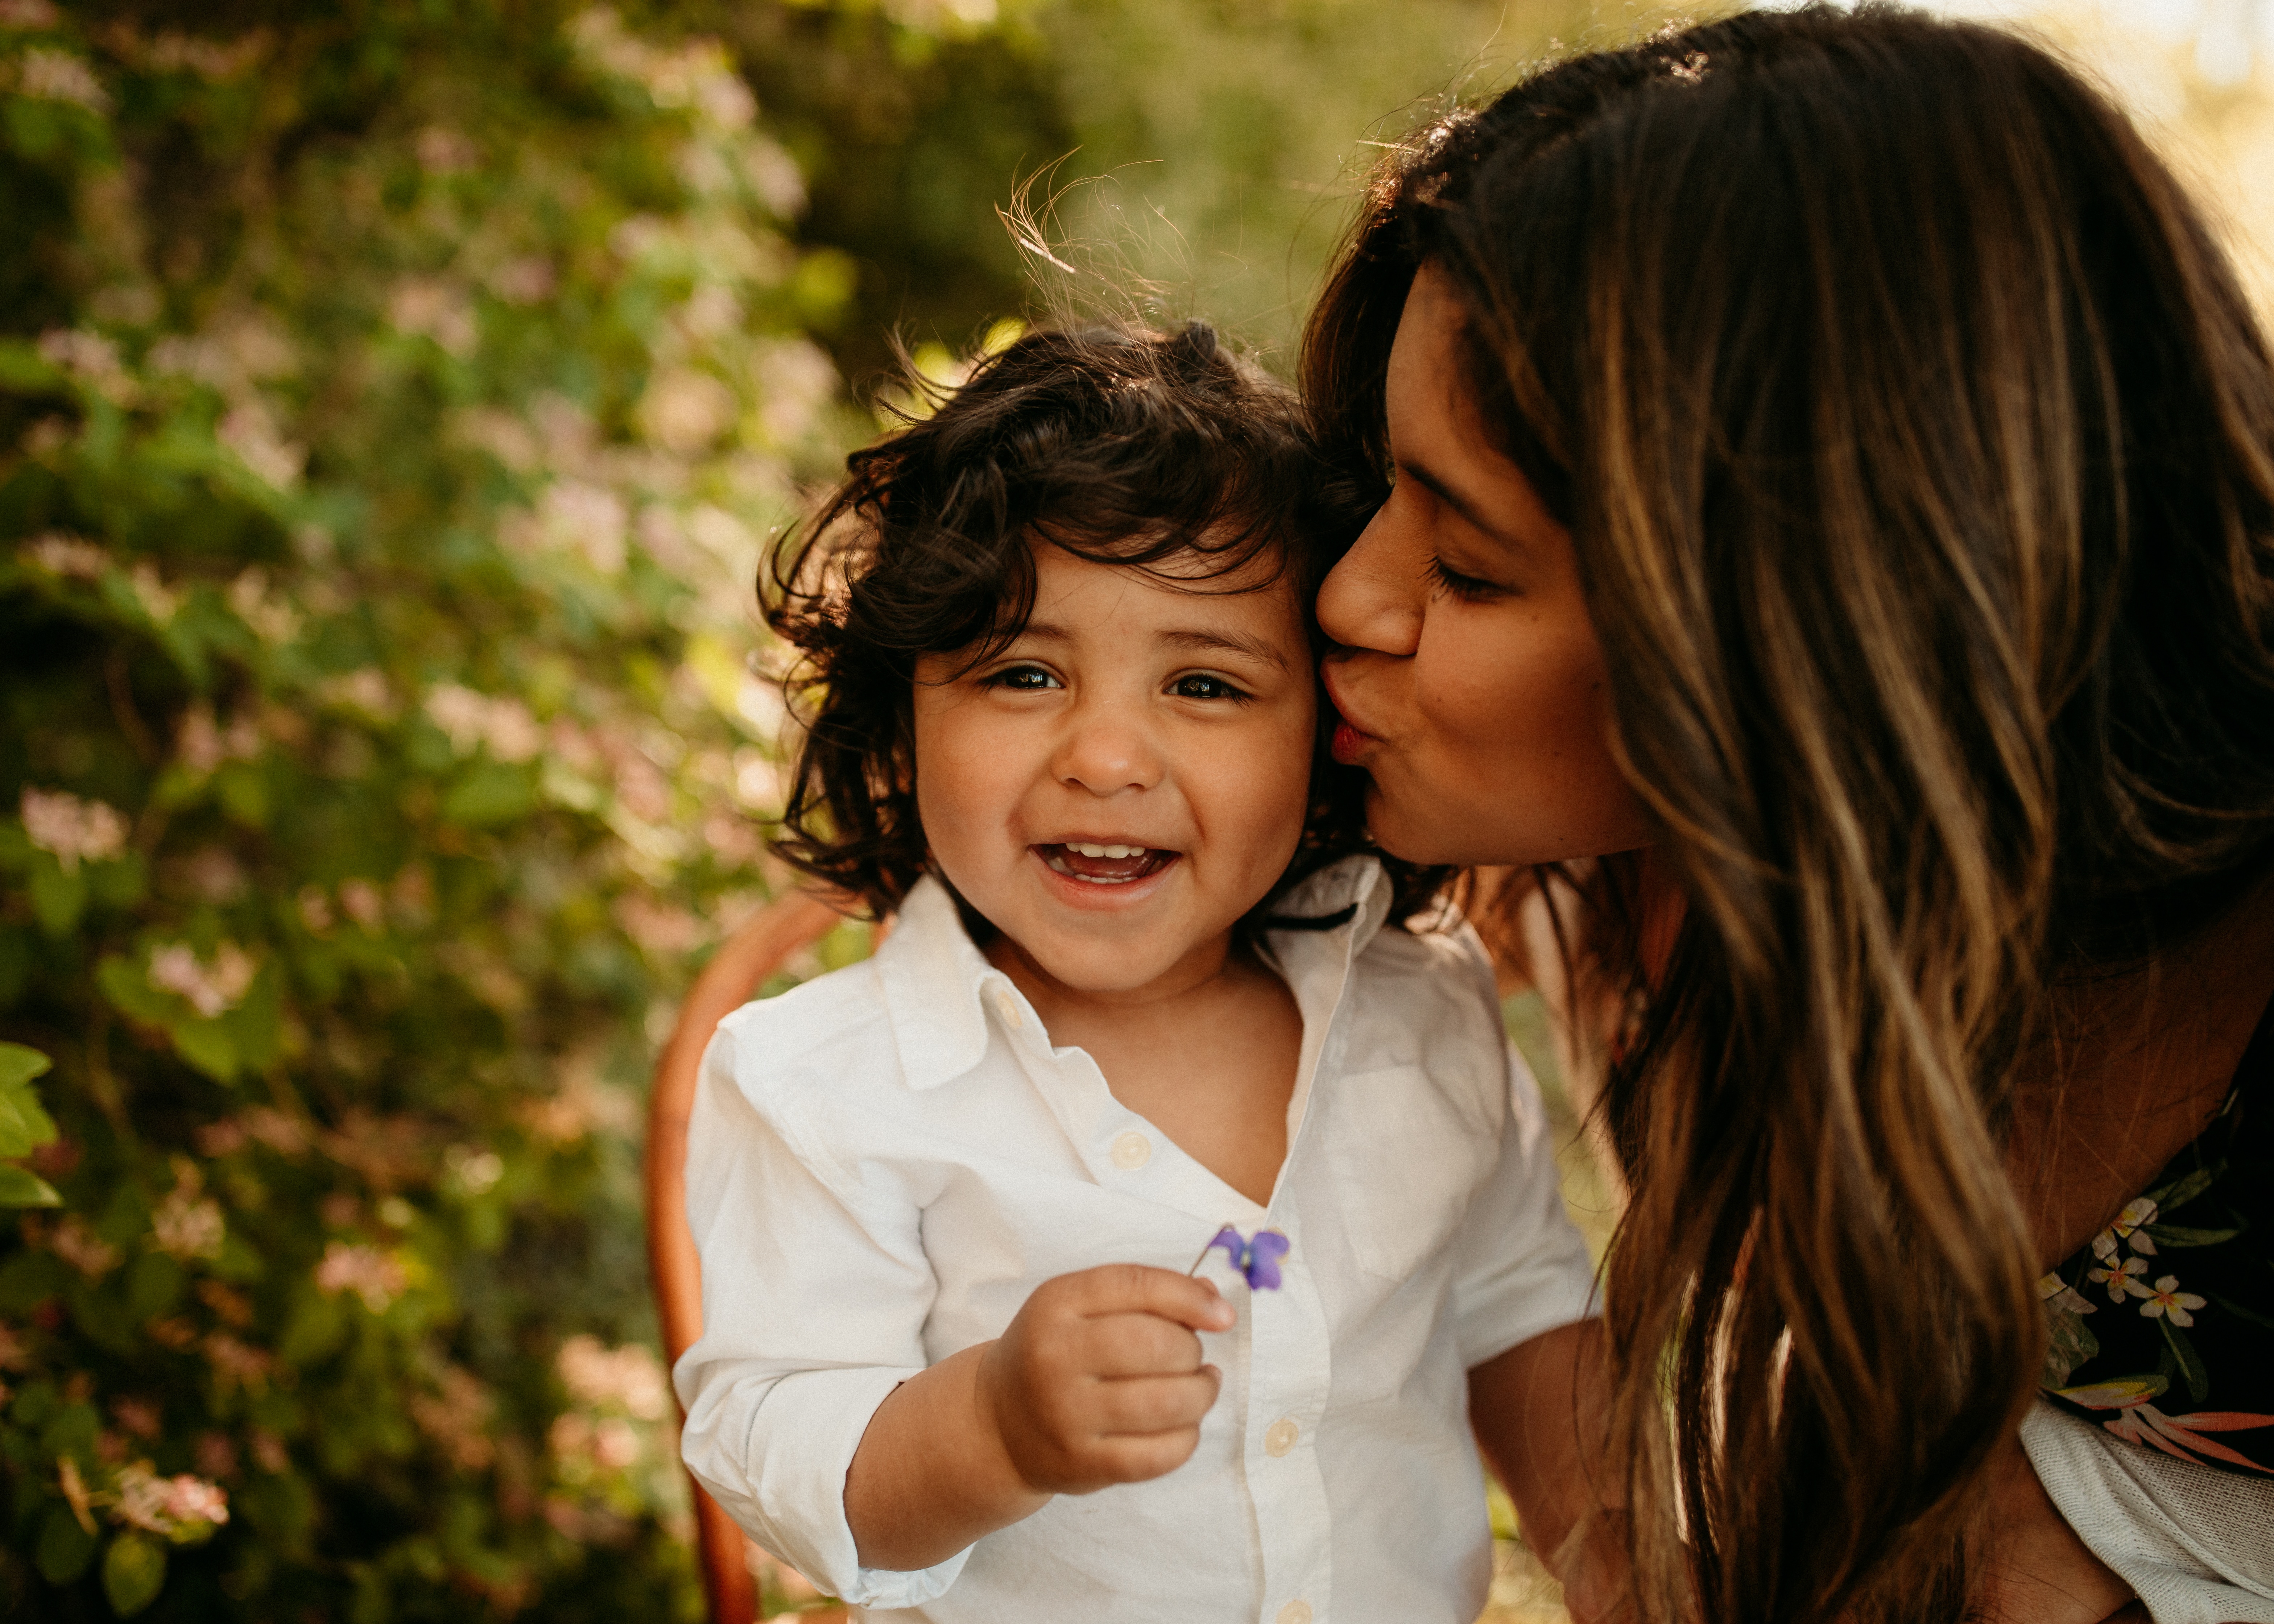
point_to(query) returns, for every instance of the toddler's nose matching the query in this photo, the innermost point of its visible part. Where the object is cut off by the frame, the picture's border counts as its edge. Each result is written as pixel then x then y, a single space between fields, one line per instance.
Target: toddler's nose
pixel 1105 753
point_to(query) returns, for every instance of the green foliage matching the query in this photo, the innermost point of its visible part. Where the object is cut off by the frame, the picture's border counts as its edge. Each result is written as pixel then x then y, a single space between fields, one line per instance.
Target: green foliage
pixel 25 1126
pixel 1224 145
pixel 134 1573
pixel 393 399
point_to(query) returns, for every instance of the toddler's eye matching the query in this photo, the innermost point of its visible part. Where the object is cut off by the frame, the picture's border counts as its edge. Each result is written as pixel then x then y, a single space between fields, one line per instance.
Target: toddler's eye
pixel 1205 688
pixel 1023 680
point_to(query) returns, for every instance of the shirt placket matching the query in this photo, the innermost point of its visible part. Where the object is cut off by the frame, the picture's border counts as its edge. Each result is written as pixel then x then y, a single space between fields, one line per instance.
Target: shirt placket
pixel 1288 1372
pixel 1289 1369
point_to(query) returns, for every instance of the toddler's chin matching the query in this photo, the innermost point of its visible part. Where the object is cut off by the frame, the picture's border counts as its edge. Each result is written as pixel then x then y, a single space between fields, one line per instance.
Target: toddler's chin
pixel 1104 969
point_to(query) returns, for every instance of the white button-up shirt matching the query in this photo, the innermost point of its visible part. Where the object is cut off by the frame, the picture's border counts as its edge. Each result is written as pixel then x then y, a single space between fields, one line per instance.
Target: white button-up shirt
pixel 885 1161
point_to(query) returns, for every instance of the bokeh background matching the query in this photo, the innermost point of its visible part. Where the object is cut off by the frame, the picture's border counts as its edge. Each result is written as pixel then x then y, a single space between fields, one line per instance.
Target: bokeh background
pixel 396 399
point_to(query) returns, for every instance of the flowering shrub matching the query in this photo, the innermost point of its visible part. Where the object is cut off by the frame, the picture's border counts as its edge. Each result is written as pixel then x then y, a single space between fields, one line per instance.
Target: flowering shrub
pixel 393 399
pixel 392 402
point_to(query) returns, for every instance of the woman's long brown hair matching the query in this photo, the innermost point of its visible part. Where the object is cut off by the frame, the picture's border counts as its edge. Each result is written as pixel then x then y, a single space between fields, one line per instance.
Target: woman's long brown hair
pixel 1919 449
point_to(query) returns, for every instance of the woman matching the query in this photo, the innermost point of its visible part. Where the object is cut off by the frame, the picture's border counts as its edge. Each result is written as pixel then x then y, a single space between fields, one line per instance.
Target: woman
pixel 1825 456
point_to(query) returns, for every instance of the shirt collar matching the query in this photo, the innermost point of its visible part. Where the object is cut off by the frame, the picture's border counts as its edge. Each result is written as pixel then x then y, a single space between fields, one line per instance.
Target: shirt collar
pixel 933 975
pixel 935 978
pixel 1357 883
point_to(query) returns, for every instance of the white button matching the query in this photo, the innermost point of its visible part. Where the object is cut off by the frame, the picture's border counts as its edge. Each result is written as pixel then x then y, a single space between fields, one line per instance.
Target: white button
pixel 1279 1436
pixel 1295 1613
pixel 1007 1002
pixel 1132 1151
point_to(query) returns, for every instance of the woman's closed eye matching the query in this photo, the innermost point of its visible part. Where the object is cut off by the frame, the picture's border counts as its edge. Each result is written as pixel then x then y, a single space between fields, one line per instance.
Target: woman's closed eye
pixel 1444 579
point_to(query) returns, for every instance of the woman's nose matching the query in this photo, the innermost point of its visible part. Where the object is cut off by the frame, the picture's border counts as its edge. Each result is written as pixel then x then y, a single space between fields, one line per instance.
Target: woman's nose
pixel 1106 750
pixel 1372 599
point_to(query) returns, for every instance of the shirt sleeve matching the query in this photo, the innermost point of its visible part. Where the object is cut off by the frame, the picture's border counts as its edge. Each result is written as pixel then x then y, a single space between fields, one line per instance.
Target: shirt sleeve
pixel 1520 1267
pixel 814 1292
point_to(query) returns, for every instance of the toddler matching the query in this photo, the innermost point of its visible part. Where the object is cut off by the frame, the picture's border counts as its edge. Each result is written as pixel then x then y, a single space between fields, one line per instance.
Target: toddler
pixel 1145 985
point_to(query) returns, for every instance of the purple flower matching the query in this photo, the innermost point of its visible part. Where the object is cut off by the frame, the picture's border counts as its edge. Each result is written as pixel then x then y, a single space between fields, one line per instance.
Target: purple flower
pixel 1257 1259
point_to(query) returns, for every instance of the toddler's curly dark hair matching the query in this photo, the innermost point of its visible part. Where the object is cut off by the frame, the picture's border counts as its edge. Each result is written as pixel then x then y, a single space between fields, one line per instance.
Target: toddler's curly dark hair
pixel 1117 444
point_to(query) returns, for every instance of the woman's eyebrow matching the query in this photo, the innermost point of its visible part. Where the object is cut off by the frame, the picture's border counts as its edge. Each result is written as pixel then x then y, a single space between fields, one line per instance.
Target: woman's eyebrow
pixel 1451 497
pixel 1238 642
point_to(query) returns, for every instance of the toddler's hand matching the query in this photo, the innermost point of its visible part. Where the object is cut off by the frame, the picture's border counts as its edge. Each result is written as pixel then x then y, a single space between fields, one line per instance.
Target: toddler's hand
pixel 1099 1380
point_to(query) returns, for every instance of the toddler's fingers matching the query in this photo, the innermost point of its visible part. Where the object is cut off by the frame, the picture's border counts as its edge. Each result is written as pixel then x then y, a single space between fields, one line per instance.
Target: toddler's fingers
pixel 1127 1288
pixel 1142 1406
pixel 1140 1345
pixel 1135 1458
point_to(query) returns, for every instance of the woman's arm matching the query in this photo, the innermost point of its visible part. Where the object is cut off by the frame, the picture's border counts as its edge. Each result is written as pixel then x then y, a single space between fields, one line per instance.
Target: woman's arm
pixel 1540 1410
pixel 2037 1570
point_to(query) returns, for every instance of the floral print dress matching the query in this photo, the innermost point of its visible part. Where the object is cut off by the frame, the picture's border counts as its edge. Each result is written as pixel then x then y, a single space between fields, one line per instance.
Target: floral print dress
pixel 2163 1328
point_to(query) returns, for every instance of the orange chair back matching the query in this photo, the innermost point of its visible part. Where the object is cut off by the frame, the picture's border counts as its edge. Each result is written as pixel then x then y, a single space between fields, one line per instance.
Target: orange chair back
pixel 741 965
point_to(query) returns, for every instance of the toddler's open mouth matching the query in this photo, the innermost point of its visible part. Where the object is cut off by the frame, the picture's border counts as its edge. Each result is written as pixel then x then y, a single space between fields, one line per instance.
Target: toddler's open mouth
pixel 1105 862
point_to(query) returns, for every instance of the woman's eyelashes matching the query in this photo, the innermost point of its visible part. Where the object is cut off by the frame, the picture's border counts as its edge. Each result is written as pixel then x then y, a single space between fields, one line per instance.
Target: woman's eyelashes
pixel 1447 582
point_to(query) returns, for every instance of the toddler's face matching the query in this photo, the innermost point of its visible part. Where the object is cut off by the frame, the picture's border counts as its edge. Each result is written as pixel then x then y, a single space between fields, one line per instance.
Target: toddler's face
pixel 1114 788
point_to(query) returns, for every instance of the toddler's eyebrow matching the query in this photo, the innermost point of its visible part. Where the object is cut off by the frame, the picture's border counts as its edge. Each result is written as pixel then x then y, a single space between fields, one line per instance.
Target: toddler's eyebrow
pixel 1239 642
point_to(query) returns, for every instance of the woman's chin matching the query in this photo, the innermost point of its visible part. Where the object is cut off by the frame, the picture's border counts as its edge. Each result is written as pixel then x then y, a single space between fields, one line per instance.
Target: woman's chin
pixel 1412 833
pixel 1445 830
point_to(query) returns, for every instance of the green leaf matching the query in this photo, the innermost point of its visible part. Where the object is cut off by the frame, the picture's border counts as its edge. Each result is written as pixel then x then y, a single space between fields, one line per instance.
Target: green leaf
pixel 64 1548
pixel 243 788
pixel 2190 1362
pixel 134 1573
pixel 19 1065
pixel 314 1329
pixel 24 1124
pixel 207 1045
pixel 491 792
pixel 58 897
pixel 22 1187
pixel 29 1279
pixel 130 994
pixel 100 1315
pixel 2180 1191
pixel 2069 1344
pixel 22 366
pixel 2232 1307
pixel 119 882
pixel 71 1430
pixel 154 1284
pixel 2173 1235
pixel 256 1026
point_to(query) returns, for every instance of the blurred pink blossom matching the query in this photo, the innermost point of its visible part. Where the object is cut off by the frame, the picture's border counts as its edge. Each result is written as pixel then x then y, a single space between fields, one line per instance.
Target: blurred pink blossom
pixel 456 1417
pixel 185 1225
pixel 177 1508
pixel 375 1277
pixel 211 990
pixel 72 828
pixel 236 1363
pixel 66 555
pixel 630 1376
pixel 204 745
pixel 76 1244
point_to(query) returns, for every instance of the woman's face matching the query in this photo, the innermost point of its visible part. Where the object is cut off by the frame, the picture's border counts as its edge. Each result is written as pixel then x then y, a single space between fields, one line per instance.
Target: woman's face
pixel 1470 681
